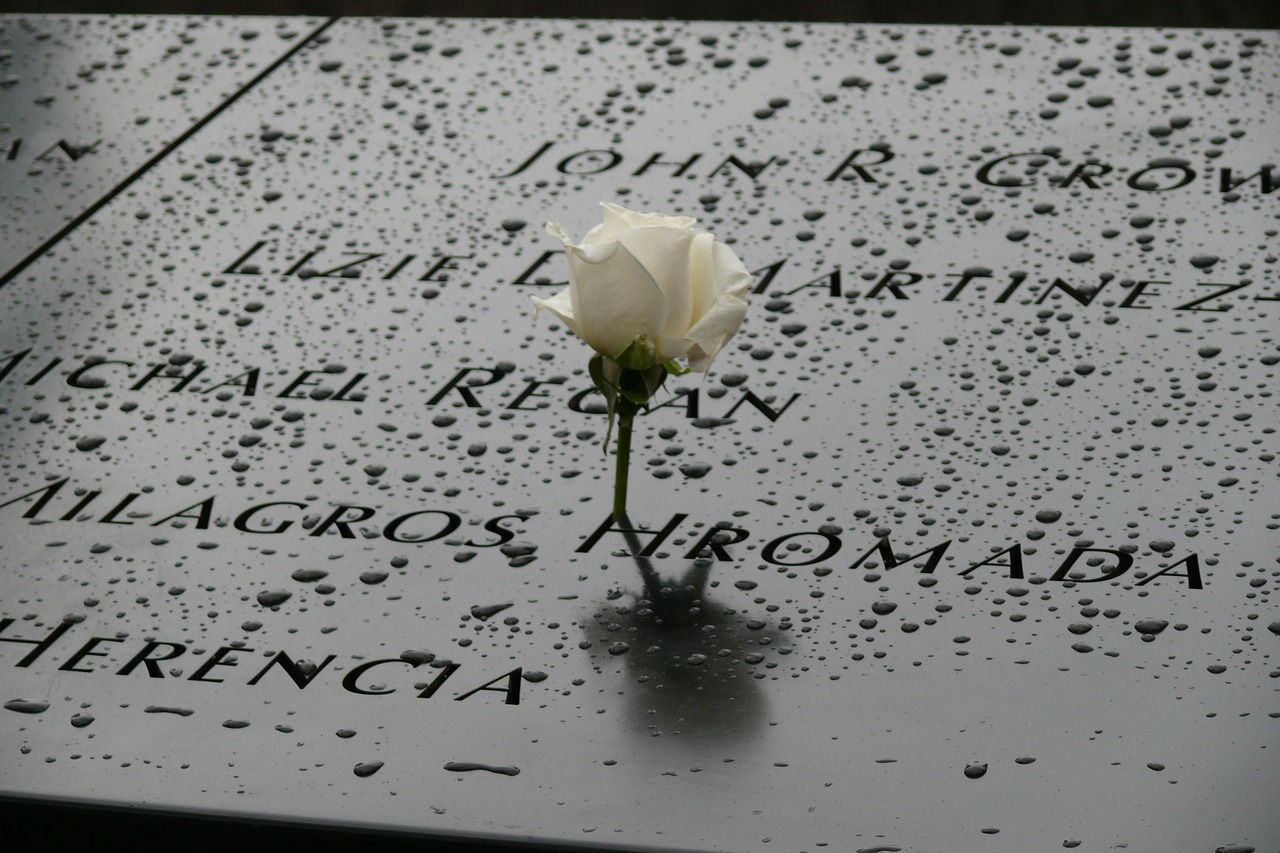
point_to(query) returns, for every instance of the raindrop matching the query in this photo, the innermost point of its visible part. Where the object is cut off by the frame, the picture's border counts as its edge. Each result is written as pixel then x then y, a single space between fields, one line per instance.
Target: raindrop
pixel 465 766
pixel 417 656
pixel 483 612
pixel 274 598
pixel 26 706
pixel 695 470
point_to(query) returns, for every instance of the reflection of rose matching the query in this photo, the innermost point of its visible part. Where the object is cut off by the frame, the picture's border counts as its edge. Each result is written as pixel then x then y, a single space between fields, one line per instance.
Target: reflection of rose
pixel 693 667
pixel 653 281
pixel 694 663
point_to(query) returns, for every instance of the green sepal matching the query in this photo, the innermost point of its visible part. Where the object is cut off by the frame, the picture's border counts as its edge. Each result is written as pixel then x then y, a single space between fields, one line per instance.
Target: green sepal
pixel 632 386
pixel 675 368
pixel 639 355
pixel 639 386
pixel 654 377
pixel 610 391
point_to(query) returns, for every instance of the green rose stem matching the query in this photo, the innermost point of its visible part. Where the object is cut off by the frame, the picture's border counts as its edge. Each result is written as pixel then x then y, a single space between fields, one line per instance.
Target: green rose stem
pixel 625 410
pixel 624 468
pixel 628 383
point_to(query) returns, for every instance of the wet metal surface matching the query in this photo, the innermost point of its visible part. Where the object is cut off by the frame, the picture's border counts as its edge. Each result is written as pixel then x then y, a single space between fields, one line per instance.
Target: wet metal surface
pixel 315 514
pixel 88 101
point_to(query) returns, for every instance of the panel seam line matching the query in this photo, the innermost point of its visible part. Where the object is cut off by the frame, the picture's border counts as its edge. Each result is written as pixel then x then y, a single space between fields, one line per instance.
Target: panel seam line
pixel 164 152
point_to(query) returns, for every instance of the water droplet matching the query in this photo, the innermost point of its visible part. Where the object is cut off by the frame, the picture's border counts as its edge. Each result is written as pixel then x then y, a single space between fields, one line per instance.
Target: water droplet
pixel 26 706
pixel 483 612
pixel 417 656
pixel 274 598
pixel 465 766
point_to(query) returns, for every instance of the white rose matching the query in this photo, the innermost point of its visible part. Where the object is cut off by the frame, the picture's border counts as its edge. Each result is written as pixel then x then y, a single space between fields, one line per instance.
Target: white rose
pixel 652 279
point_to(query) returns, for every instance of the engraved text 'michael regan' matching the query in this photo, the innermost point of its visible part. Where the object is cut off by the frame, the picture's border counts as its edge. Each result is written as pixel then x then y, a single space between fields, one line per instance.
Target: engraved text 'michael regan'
pixel 463 385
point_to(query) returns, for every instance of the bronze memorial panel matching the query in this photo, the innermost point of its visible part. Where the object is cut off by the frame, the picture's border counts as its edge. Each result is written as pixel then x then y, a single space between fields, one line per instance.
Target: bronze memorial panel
pixel 966 541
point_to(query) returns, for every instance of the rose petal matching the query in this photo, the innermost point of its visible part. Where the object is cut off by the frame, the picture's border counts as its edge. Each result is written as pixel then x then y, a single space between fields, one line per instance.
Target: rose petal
pixel 669 348
pixel 618 219
pixel 715 328
pixel 615 300
pixel 731 274
pixel 722 320
pixel 555 229
pixel 561 305
pixel 664 252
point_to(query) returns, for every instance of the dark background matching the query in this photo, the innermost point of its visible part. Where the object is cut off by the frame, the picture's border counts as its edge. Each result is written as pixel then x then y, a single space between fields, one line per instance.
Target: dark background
pixel 1143 13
